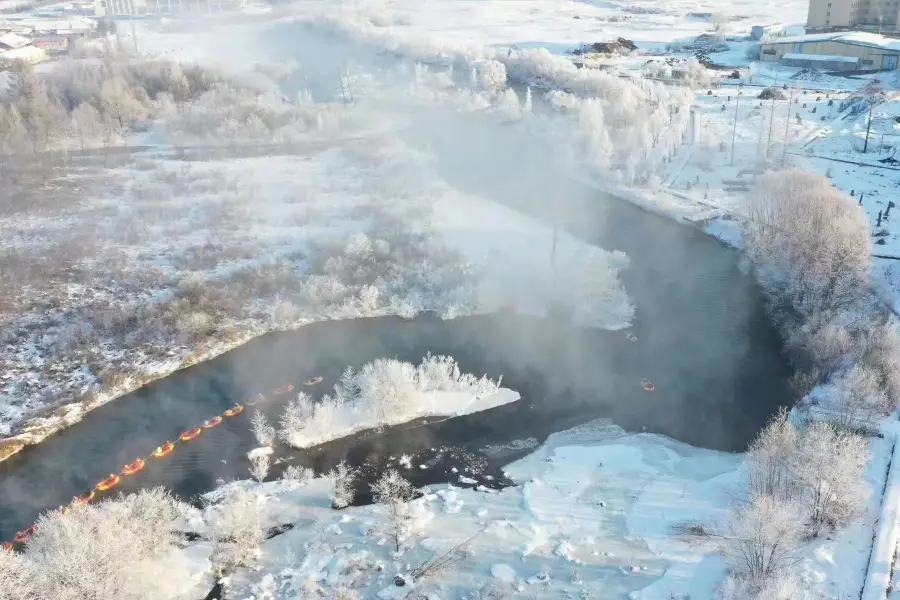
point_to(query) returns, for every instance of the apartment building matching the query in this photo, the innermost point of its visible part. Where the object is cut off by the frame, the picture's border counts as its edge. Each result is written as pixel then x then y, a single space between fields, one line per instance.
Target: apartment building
pixel 837 15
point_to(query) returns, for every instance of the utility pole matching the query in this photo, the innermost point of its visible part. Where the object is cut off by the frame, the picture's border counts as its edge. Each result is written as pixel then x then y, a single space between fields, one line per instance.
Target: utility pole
pixel 873 90
pixel 737 103
pixel 869 125
pixel 772 114
pixel 787 127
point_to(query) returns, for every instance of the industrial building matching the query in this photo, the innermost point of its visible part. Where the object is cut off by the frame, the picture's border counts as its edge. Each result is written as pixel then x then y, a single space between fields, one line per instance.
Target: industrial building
pixel 836 51
pixel 835 15
pixel 137 8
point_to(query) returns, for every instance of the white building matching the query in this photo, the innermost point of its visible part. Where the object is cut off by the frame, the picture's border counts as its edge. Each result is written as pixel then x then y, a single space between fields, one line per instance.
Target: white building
pixel 836 15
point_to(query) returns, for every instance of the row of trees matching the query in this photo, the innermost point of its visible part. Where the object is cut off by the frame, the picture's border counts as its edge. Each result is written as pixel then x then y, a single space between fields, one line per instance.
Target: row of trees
pixel 92 102
pixel 810 247
pixel 633 123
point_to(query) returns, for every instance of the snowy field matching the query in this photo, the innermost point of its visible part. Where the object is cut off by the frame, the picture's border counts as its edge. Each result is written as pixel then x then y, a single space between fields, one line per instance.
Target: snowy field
pixel 194 241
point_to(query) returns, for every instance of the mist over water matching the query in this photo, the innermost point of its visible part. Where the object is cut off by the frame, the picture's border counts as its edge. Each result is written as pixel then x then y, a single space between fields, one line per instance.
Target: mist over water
pixel 701 336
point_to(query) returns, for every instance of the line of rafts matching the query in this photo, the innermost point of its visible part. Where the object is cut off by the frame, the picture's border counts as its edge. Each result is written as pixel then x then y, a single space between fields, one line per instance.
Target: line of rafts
pixel 161 451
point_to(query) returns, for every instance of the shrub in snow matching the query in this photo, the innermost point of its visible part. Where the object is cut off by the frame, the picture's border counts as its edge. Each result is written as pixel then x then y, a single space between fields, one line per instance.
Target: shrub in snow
pixel 762 538
pixel 16 577
pixel 343 477
pixel 259 465
pixel 831 471
pixel 492 75
pixel 857 399
pixel 237 530
pixel 128 545
pixel 393 493
pixel 882 355
pixel 262 431
pixel 297 412
pixel 299 474
pixel 402 273
pixel 772 458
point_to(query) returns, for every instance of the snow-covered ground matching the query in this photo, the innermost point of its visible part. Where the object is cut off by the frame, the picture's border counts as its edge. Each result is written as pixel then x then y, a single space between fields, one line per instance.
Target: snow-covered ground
pixel 595 513
pixel 181 240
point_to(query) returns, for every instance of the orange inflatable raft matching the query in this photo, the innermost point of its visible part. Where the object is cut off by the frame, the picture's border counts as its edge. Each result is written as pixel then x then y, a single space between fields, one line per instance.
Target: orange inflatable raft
pixel 214 422
pixel 313 381
pixel 132 468
pixel 108 483
pixel 21 537
pixel 284 389
pixel 193 434
pixel 163 450
pixel 7 546
pixel 234 410
pixel 648 387
pixel 83 499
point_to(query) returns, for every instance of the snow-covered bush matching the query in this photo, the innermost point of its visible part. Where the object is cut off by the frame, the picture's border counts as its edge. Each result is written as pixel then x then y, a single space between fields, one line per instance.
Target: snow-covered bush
pixel 401 272
pixel 262 431
pixel 297 412
pixel 343 478
pixel 393 493
pixel 810 246
pixel 831 469
pixel 237 530
pixel 772 458
pixel 881 354
pixel 128 545
pixel 763 536
pixel 857 399
pixel 259 465
pixel 298 474
pixel 492 75
pixel 385 391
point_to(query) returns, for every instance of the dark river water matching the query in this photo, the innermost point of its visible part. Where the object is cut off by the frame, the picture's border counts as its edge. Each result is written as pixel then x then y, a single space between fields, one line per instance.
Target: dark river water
pixel 702 338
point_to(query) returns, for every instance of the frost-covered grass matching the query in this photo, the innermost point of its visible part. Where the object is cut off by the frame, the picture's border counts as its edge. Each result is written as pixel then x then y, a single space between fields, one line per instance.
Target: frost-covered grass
pixel 164 262
pixel 388 392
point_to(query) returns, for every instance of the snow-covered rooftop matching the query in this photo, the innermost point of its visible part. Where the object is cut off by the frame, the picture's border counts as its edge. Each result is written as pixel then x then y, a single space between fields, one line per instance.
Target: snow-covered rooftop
pixel 857 38
pixel 820 57
pixel 11 40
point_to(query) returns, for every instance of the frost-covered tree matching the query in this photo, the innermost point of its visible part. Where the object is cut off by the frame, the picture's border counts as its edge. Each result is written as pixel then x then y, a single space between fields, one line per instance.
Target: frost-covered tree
pixel 262 431
pixel 87 122
pixel 128 545
pixel 881 354
pixel 492 76
pixel 810 245
pixel 259 465
pixel 119 102
pixel 296 414
pixel 857 399
pixel 763 536
pixel 831 470
pixel 16 577
pixel 393 493
pixel 343 478
pixel 772 459
pixel 238 530
pixel 298 474
pixel 527 106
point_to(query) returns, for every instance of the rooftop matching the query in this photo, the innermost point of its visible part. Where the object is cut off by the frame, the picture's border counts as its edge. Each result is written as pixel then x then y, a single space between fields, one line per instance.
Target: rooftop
pixel 820 58
pixel 857 38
